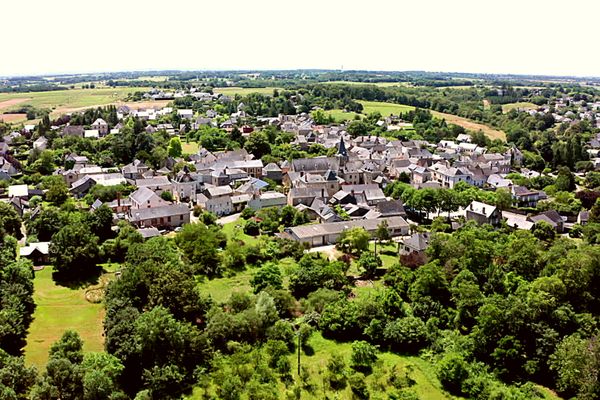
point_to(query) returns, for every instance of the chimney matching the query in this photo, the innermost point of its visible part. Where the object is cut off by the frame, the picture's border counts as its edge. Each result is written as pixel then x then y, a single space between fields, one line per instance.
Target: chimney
pixel 119 199
pixel 323 194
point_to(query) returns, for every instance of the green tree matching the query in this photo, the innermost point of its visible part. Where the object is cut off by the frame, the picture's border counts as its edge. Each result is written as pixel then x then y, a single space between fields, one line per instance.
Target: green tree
pixel 577 364
pixel 354 240
pixel 267 276
pixel 368 263
pixel 503 199
pixel 57 192
pixel 382 234
pixel 174 149
pixel 74 251
pixel 364 355
pixel 258 144
pixel 10 222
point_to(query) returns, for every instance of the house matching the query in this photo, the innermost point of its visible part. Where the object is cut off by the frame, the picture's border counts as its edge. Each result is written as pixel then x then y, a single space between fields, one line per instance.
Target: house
pixel 552 217
pixel 305 195
pixel 18 191
pixel 168 216
pixel 73 130
pixel 267 199
pixel 523 197
pixel 482 213
pixel 40 143
pixel 517 221
pixel 37 252
pixel 185 113
pixel 101 126
pixel 145 198
pixel 328 233
pixel 416 244
pixel 148 233
pixel 81 186
pixel 218 200
pixel 273 172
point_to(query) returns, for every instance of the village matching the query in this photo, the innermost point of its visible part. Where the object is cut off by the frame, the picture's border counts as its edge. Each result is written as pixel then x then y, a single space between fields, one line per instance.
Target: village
pixel 344 189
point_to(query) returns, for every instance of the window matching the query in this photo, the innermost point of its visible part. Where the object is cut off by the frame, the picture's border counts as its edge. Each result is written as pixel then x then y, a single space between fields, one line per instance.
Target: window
pixel 181 217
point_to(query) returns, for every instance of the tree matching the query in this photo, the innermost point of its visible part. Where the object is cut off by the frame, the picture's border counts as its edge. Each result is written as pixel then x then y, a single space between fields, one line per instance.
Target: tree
pixel 577 364
pixel 174 149
pixel 382 233
pixel 363 356
pixel 57 192
pixel 74 251
pixel 565 180
pixel 267 276
pixel 543 231
pixel 406 334
pixel 10 222
pixel 354 240
pixel 200 245
pixel 167 196
pixel 258 144
pixel 368 263
pixel 452 371
pixel 16 379
pixel 100 222
pixel 503 199
pixel 336 372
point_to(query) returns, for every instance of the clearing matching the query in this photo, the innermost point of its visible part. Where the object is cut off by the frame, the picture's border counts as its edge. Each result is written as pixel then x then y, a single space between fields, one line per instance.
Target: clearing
pixel 385 109
pixel 59 308
pixel 522 105
pixel 190 148
pixel 341 115
pixel 242 91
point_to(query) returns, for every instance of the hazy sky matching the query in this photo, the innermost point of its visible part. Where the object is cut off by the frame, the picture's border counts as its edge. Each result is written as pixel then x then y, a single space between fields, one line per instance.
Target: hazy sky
pixel 508 36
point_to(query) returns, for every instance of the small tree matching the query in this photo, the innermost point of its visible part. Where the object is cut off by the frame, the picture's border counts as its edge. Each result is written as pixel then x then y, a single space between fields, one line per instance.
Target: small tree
pixel 354 241
pixel 382 234
pixel 175 148
pixel 368 263
pixel 364 356
pixel 268 276
pixel 166 196
pixel 336 372
pixel 74 251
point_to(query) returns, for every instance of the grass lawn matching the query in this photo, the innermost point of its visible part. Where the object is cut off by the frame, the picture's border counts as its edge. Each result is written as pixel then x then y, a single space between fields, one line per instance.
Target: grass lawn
pixel 523 105
pixel 235 229
pixel 232 91
pixel 341 115
pixel 189 148
pixel 58 309
pixel 65 100
pixel 220 289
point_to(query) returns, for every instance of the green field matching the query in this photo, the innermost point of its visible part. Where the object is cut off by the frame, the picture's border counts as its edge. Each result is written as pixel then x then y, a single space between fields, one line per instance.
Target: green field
pixel 232 91
pixel 385 109
pixel 67 100
pixel 512 106
pixel 380 84
pixel 341 115
pixel 57 309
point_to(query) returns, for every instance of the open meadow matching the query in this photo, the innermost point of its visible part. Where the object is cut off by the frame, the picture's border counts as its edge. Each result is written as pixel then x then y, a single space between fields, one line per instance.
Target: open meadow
pixel 521 105
pixel 58 309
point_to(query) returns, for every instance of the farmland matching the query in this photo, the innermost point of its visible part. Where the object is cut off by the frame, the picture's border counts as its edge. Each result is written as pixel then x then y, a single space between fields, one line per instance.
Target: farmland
pixel 385 109
pixel 232 91
pixel 63 101
pixel 59 308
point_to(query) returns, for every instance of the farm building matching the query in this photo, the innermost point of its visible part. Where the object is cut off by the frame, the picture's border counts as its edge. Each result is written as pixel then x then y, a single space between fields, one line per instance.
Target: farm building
pixel 328 233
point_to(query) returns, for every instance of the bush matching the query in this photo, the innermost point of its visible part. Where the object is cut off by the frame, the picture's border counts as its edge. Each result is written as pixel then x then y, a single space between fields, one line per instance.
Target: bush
pixel 364 356
pixel 167 196
pixel 268 276
pixel 407 334
pixel 336 372
pixel 247 213
pixel 358 386
pixel 251 228
pixel 452 371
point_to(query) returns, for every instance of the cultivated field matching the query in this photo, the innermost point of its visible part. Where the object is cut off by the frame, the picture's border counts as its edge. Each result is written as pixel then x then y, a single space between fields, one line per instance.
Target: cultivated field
pixel 64 101
pixel 58 309
pixel 380 84
pixel 471 125
pixel 232 91
pixel 385 109
pixel 13 118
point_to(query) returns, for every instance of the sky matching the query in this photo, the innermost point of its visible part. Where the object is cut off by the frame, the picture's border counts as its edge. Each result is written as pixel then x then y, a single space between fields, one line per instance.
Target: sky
pixel 545 37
